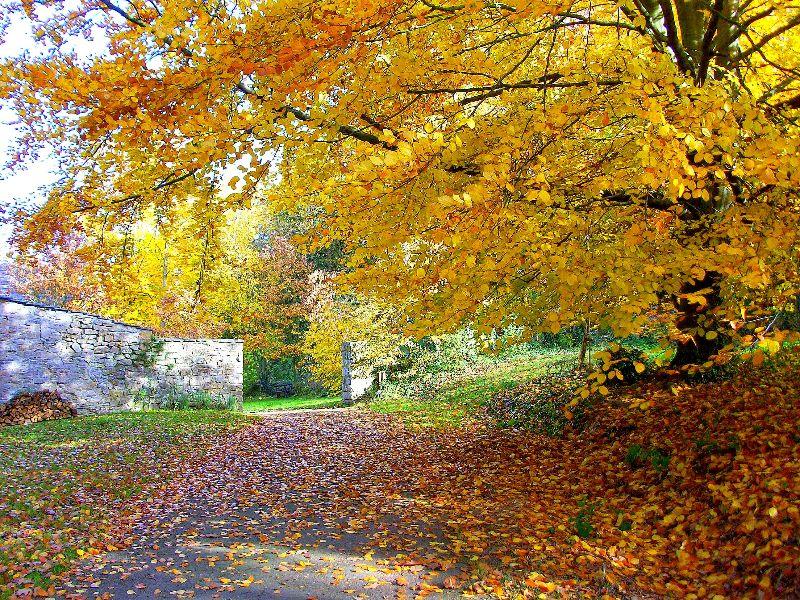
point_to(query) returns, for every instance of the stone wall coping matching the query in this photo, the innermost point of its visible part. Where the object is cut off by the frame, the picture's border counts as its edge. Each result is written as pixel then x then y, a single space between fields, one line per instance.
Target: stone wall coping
pixel 71 312
pixel 225 340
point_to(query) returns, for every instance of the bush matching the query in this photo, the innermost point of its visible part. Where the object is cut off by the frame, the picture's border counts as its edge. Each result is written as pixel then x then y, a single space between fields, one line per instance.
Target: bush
pixel 177 399
pixel 582 522
pixel 280 377
pixel 250 374
pixel 568 338
pixel 436 354
pixel 715 373
pixel 621 364
pixel 639 456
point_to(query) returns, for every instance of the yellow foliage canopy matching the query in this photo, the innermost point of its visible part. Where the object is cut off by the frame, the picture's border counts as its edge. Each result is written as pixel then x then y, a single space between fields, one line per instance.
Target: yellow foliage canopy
pixel 534 163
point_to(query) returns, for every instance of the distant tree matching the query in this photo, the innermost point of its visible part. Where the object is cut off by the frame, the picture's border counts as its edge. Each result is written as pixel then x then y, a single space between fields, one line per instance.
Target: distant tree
pixel 334 320
pixel 57 275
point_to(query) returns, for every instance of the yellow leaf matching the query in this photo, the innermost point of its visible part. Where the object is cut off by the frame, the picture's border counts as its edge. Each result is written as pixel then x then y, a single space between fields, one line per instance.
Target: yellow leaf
pixel 544 197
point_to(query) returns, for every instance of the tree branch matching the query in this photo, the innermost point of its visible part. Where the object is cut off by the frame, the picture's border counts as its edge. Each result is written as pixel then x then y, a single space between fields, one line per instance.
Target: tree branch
pixel 166 182
pixel 346 130
pixel 792 23
pixel 490 91
pixel 681 57
pixel 652 199
pixel 708 41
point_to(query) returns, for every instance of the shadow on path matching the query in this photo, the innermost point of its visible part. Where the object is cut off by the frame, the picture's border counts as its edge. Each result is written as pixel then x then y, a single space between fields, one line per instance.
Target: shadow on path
pixel 305 504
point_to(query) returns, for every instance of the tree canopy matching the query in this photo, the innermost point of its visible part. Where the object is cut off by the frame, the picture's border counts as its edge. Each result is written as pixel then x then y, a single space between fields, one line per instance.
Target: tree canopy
pixel 528 163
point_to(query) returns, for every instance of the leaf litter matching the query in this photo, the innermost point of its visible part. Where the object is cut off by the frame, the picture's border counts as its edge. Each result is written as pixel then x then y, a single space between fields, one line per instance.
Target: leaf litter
pixel 694 496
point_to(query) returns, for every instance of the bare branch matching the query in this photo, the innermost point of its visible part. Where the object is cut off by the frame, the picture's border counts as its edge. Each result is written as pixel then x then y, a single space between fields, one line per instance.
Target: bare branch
pixel 168 181
pixel 791 24
pixel 489 91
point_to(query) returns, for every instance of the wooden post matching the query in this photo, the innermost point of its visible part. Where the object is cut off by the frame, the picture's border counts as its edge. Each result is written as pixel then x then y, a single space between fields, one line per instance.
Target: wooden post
pixel 347 377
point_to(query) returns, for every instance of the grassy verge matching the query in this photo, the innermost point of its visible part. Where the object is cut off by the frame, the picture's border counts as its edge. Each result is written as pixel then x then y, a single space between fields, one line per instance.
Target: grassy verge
pixel 453 398
pixel 67 485
pixel 264 403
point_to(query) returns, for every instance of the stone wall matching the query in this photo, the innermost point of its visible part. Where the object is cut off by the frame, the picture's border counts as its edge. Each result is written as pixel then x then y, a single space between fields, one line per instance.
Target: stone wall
pixel 101 365
pixel 198 366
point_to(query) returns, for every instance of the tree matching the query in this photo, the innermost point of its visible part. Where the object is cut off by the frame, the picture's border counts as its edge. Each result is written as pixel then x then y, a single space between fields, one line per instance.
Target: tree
pixel 243 279
pixel 58 275
pixel 261 294
pixel 334 320
pixel 529 163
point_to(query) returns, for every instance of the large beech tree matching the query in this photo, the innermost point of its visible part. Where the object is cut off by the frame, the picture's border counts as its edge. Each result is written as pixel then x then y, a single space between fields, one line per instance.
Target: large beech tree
pixel 535 163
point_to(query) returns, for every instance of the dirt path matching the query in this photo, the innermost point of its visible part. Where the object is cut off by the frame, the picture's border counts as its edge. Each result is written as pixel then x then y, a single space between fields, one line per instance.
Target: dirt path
pixel 351 504
pixel 305 504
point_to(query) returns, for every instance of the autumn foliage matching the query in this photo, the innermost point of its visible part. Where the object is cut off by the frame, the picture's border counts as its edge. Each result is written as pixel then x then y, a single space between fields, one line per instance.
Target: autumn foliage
pixel 515 165
pixel 530 163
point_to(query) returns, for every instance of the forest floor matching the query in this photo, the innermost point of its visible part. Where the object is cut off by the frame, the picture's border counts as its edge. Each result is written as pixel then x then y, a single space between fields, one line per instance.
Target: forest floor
pixel 667 490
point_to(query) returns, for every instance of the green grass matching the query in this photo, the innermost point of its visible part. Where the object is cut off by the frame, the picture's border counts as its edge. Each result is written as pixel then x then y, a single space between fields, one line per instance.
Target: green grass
pixel 106 427
pixel 264 403
pixel 66 484
pixel 453 399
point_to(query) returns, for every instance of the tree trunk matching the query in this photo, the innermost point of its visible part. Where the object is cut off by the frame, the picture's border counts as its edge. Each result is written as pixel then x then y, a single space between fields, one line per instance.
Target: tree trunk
pixel 693 348
pixel 582 357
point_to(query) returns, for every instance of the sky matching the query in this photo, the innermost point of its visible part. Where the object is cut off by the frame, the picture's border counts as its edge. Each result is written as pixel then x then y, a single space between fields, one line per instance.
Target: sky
pixel 23 185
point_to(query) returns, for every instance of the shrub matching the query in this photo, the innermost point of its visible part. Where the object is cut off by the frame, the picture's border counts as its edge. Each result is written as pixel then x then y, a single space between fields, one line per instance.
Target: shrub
pixel 177 399
pixel 250 374
pixel 621 364
pixel 582 522
pixel 623 522
pixel 715 373
pixel 638 456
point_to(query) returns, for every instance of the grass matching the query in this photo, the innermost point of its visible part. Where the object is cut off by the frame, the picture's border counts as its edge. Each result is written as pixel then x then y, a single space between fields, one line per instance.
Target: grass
pixel 257 404
pixel 453 399
pixel 97 429
pixel 66 485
